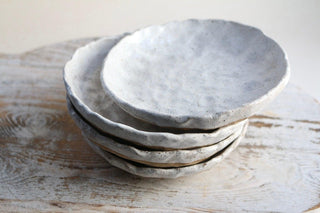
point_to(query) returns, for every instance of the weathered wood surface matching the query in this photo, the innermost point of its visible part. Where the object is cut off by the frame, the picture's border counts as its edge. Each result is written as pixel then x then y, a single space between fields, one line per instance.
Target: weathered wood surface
pixel 46 165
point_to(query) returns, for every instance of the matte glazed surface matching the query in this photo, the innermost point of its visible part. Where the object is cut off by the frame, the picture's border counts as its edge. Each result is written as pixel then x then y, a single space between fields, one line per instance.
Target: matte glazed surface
pixel 195 73
pixel 82 80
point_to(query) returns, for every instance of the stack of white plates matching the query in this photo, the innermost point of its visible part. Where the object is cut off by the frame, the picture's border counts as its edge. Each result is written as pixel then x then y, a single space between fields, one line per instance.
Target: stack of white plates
pixel 172 100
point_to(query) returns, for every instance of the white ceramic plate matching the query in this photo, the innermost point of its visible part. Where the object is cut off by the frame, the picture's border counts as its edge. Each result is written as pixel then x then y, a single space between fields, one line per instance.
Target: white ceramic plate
pixel 153 172
pixel 82 81
pixel 123 149
pixel 195 74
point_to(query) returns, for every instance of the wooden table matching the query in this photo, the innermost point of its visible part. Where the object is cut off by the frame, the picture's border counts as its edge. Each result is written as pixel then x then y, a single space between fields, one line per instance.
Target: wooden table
pixel 46 165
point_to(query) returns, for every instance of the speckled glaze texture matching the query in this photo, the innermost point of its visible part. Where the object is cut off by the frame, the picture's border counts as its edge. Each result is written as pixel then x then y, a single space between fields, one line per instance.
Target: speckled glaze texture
pixel 195 73
pixel 82 81
pixel 173 158
pixel 152 172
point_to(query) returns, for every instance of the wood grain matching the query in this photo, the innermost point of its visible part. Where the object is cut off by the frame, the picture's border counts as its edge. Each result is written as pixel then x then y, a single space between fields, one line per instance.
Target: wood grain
pixel 45 165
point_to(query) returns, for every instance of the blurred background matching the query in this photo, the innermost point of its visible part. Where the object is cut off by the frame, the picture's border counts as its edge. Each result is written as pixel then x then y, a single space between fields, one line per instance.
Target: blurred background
pixel 294 24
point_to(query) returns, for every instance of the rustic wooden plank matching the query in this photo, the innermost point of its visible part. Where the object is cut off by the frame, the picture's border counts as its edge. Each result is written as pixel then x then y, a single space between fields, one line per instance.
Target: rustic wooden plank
pixel 46 165
pixel 58 206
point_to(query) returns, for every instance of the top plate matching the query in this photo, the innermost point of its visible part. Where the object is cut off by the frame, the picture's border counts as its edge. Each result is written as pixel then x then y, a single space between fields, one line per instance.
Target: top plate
pixel 199 74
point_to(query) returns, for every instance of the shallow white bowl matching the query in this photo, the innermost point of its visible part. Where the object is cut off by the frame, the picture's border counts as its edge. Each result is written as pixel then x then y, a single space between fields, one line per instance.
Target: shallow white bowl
pixel 82 81
pixel 127 150
pixel 154 172
pixel 199 74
